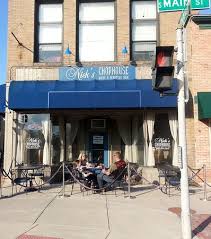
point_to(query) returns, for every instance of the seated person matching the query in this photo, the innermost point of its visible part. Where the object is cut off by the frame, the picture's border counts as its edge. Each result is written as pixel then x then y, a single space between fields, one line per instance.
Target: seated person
pixel 83 160
pixel 108 176
pixel 100 160
pixel 84 167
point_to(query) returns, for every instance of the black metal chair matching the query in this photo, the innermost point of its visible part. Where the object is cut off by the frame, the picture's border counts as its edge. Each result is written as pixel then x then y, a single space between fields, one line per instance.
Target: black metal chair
pixel 19 181
pixel 39 173
pixel 171 177
pixel 119 181
pixel 85 181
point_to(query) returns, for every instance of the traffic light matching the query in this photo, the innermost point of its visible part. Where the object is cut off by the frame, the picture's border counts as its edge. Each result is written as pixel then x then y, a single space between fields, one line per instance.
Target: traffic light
pixel 163 71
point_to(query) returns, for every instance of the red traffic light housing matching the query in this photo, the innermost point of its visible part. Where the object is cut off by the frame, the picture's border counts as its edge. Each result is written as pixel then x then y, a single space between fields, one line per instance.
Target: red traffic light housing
pixel 163 71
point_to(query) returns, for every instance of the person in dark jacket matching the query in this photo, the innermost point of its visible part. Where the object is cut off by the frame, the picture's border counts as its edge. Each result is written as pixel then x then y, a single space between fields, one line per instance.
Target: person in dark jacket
pixel 108 176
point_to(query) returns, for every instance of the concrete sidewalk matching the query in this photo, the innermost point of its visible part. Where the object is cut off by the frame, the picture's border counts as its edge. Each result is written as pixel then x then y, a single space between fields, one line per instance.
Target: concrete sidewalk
pixel 91 216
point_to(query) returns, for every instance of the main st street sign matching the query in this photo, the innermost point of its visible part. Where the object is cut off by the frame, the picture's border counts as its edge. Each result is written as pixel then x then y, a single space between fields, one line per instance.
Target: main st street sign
pixel 176 5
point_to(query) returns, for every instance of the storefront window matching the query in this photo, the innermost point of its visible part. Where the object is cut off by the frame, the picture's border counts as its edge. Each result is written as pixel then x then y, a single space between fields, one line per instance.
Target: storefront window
pixel 143 139
pixel 132 144
pixel 55 144
pixel 162 140
pixel 33 139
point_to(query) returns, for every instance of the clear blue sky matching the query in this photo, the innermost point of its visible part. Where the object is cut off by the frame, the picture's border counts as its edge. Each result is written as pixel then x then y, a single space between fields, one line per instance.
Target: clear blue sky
pixel 3 40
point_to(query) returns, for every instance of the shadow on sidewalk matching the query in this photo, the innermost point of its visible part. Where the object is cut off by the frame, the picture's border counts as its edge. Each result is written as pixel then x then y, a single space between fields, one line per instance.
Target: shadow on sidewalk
pixel 201 223
pixel 203 226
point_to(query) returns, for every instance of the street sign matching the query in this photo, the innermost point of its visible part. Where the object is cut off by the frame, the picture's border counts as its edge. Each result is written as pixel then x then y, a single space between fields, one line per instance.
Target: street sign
pixel 185 16
pixel 177 5
pixel 200 4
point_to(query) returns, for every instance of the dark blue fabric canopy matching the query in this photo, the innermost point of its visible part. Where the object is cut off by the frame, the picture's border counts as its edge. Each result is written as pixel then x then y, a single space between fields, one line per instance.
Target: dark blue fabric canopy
pixel 96 94
pixel 2 98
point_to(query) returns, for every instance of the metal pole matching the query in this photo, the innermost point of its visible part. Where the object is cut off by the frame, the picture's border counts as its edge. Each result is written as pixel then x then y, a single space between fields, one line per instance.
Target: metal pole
pixel 128 172
pixel 63 181
pixel 205 182
pixel 185 201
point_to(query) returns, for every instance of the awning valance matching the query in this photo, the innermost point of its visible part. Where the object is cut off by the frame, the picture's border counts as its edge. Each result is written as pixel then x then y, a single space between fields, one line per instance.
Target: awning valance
pixel 204 105
pixel 108 94
pixel 2 98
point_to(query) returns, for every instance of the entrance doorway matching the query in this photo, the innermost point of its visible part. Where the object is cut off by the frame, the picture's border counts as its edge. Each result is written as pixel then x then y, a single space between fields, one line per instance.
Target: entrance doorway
pixel 98 148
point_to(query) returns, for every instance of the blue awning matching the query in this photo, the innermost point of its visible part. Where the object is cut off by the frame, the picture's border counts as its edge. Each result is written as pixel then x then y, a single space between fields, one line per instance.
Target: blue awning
pixel 2 98
pixel 96 94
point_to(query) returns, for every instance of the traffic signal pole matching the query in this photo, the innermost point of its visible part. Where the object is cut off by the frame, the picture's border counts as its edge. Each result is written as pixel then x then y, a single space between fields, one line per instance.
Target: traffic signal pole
pixel 185 200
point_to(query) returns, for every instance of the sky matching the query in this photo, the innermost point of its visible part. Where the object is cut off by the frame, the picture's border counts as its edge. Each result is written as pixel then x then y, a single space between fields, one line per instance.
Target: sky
pixel 3 40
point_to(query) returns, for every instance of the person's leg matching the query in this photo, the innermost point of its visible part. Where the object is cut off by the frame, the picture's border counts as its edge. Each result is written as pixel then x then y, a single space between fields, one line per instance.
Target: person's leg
pixel 104 178
pixel 100 180
pixel 108 180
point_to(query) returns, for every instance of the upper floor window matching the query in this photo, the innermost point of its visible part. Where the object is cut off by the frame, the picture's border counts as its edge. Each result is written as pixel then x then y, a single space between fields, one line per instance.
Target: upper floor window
pixel 96 31
pixel 49 32
pixel 144 29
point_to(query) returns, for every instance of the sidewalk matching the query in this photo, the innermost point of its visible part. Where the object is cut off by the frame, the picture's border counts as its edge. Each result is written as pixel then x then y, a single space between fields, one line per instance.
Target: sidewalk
pixel 96 216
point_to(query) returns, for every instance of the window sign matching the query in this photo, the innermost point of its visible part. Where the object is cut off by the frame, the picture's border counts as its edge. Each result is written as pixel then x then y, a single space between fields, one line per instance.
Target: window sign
pixel 34 139
pixel 162 143
pixel 97 139
pixel 97 73
pixel 33 143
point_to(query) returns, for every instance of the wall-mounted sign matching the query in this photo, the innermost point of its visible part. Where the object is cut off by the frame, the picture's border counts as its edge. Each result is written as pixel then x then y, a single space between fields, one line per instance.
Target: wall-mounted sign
pixel 97 139
pixel 97 73
pixel 33 143
pixel 162 143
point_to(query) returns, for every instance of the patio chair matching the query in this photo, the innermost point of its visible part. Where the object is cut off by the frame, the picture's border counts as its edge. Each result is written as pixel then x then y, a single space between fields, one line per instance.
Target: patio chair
pixel 39 173
pixel 19 181
pixel 171 177
pixel 119 176
pixel 84 181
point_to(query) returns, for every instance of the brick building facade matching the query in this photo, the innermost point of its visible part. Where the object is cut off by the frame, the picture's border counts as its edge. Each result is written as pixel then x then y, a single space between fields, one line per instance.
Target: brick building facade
pixel 198 69
pixel 135 28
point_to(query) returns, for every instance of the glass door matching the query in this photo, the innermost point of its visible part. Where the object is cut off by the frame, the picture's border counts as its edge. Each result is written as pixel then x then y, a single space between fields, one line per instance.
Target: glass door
pixel 98 148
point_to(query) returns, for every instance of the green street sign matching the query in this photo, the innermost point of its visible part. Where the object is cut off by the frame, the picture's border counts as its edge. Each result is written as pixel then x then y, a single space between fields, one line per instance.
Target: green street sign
pixel 185 16
pixel 200 4
pixel 177 5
